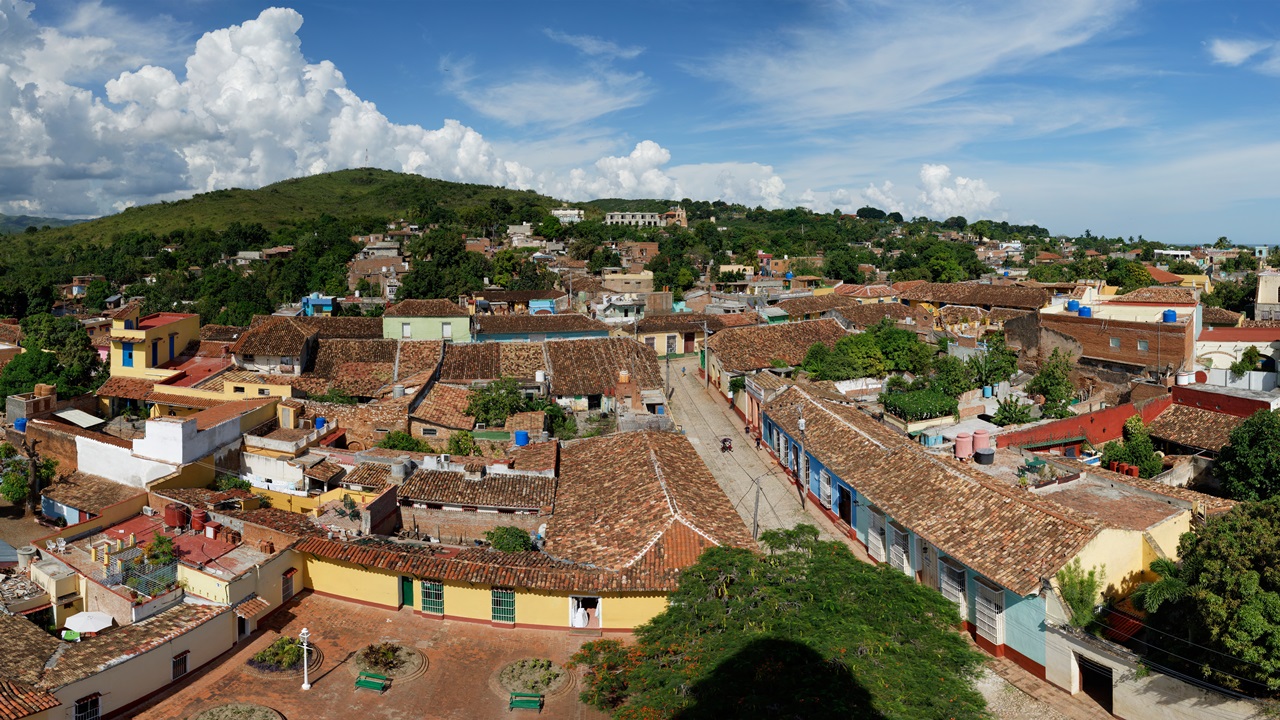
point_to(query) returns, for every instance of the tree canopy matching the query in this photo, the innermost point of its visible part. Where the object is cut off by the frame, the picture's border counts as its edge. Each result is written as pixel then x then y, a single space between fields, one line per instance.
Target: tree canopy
pixel 805 631
pixel 1248 467
pixel 1054 383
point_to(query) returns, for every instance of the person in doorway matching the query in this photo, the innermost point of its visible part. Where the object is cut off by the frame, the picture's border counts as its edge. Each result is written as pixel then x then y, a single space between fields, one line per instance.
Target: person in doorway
pixel 757 442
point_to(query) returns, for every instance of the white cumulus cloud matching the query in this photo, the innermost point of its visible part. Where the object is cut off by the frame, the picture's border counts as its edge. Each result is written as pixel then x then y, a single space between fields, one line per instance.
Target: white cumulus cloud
pixel 1235 52
pixel 943 197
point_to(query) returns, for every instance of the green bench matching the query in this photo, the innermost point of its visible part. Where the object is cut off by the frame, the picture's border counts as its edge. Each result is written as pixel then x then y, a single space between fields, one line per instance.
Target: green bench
pixel 373 681
pixel 525 701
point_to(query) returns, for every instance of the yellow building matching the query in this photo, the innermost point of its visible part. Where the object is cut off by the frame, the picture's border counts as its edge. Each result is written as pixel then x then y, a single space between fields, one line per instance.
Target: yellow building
pixel 141 345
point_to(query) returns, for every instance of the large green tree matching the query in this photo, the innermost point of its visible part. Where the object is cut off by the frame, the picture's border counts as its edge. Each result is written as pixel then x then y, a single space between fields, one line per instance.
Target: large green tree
pixel 805 631
pixel 1218 613
pixel 1248 467
pixel 1054 383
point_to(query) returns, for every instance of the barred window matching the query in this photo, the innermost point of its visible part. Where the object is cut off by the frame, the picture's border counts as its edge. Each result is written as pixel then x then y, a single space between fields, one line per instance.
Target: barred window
pixel 433 597
pixel 503 605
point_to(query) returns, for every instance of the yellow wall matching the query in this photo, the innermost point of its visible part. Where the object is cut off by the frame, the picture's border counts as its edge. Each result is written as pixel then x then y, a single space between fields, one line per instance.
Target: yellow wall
pixel 111 515
pixel 187 329
pixel 620 611
pixel 192 475
pixel 309 503
pixel 1123 554
pixel 465 600
pixel 348 580
pixel 203 584
pixel 1166 535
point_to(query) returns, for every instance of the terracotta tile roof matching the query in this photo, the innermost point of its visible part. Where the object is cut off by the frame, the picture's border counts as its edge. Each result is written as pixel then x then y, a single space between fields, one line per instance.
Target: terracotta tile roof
pixel 18 700
pixel 446 406
pixel 1009 296
pixel 10 334
pixel 203 498
pixel 418 356
pixel 591 366
pixel 68 429
pixel 622 497
pixel 1194 427
pixel 323 471
pixel 426 308
pixel 1003 315
pixel 536 457
pixel 799 307
pixel 1163 277
pixel 274 336
pixel 89 493
pixel 483 566
pixel 494 490
pixel 908 284
pixel 91 656
pixel 183 401
pixel 871 291
pixel 369 475
pixel 363 379
pixel 1004 533
pixel 752 348
pixel 1159 295
pixel 1045 255
pixel 518 296
pixel 471 361
pixel 251 606
pixel 26 649
pixel 746 319
pixel 126 311
pixel 533 422
pixel 330 354
pixel 1219 316
pixel 206 419
pixel 679 323
pixel 289 523
pixel 1118 509
pixel 537 324
pixel 864 316
pixel 221 333
pixel 336 328
pixel 125 388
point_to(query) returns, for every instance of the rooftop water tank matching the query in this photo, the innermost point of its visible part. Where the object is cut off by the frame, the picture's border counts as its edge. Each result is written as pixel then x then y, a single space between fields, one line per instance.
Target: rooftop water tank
pixel 964 446
pixel 790 275
pixel 1169 316
pixel 522 438
pixel 985 456
pixel 1073 306
pixel 981 440
pixel 20 425
pixel 1086 312
pixel 320 423
pixel 540 376
pixel 1184 378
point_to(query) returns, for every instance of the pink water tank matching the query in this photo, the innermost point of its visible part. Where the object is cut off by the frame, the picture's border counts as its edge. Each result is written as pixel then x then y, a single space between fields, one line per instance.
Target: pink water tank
pixel 964 446
pixel 981 440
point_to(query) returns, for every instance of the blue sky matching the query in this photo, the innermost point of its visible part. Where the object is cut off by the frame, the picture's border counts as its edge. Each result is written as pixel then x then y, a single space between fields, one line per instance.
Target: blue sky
pixel 1125 118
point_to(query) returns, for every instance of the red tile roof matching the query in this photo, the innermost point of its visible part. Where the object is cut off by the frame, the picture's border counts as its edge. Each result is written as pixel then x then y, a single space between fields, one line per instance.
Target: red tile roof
pixel 752 348
pixel 1163 277
pixel 206 419
pixel 274 336
pixel 1219 316
pixel 89 493
pixel 797 308
pixel 125 388
pixel 426 308
pixel 537 324
pixel 1194 427
pixel 591 366
pixel 446 406
pixel 969 293
pixel 183 401
pixel 494 490
pixel 622 498
pixel 18 700
pixel 1158 295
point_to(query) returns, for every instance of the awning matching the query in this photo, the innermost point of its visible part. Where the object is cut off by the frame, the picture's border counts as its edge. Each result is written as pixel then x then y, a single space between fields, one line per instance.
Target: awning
pixel 79 417
pixel 251 607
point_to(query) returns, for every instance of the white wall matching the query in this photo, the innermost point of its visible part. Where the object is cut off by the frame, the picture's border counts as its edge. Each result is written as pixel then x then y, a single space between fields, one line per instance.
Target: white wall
pixel 175 440
pixel 119 464
pixel 283 475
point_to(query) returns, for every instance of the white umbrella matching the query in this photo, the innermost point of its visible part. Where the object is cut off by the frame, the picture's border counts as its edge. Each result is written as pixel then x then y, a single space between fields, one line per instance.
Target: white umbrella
pixel 87 622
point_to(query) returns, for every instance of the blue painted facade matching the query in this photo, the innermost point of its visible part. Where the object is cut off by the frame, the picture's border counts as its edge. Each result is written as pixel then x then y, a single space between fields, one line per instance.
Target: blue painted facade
pixel 317 304
pixel 54 510
pixel 1024 628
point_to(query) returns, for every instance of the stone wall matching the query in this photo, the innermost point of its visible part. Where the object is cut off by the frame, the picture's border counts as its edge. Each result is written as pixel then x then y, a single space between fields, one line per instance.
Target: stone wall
pixel 462 528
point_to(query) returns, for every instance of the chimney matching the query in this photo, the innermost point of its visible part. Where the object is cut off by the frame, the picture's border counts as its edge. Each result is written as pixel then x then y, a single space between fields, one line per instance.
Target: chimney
pixel 624 376
pixel 397 391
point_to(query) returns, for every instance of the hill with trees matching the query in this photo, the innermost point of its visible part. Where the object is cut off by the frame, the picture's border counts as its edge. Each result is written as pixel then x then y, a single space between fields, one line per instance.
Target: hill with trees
pixel 14 224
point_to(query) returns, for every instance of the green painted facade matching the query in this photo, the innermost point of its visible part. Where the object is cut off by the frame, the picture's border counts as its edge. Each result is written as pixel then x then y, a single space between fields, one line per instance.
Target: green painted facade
pixel 427 328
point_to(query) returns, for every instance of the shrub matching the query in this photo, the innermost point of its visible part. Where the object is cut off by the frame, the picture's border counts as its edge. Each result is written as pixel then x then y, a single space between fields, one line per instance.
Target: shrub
pixel 1080 591
pixel 919 405
pixel 398 440
pixel 509 539
pixel 283 654
pixel 382 656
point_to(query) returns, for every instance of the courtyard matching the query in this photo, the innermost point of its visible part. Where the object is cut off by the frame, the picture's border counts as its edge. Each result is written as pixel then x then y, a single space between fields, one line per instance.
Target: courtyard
pixel 460 678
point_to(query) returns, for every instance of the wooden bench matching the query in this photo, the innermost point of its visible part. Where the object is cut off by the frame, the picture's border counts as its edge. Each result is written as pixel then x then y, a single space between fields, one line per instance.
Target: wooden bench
pixel 525 701
pixel 373 681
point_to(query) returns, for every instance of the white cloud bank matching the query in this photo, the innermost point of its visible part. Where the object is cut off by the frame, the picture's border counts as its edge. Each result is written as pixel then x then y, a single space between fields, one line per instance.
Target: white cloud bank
pixel 251 111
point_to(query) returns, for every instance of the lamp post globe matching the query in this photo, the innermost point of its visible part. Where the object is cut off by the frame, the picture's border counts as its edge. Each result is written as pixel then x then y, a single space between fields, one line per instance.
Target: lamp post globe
pixel 303 637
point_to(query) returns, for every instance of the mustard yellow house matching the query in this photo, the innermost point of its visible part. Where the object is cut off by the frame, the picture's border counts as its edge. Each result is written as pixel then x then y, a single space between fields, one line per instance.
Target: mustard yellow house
pixel 141 344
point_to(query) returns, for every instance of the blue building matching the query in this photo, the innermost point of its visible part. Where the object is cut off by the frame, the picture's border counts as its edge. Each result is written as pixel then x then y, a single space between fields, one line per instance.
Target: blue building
pixel 991 548
pixel 316 304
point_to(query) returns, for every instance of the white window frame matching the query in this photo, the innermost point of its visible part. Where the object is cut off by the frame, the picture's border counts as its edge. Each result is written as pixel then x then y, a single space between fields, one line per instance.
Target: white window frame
pixel 446 330
pixel 988 607
pixel 900 550
pixel 876 535
pixel 824 488
pixel 1115 342
pixel 951 587
pixel 406 330
pixel 1143 346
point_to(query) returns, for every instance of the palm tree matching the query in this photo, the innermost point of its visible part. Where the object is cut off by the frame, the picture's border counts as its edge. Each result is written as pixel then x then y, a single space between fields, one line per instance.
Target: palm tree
pixel 1169 588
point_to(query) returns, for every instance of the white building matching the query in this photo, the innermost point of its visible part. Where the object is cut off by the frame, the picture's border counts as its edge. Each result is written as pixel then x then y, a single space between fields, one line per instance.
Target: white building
pixel 634 219
pixel 567 216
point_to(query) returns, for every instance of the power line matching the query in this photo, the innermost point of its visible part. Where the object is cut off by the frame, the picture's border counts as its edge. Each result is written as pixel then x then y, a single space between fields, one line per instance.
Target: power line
pixel 1184 640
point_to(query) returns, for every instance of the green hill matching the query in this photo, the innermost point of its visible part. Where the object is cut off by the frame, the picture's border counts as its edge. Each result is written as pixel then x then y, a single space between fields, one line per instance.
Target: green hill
pixel 608 205
pixel 345 193
pixel 19 223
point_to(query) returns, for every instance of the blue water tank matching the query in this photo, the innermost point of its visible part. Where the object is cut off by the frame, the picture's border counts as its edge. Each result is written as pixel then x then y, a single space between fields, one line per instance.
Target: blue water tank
pixel 320 423
pixel 1086 312
pixel 790 275
pixel 1073 306
pixel 986 391
pixel 662 410
pixel 1170 316
pixel 20 425
pixel 1006 273
pixel 522 438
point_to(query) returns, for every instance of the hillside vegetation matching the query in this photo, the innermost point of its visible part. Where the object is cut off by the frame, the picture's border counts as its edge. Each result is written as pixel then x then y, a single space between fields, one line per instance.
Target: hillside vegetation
pixel 363 192
pixel 19 223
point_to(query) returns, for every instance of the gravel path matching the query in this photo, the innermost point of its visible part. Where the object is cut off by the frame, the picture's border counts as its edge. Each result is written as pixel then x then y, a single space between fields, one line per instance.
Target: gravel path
pixel 1007 702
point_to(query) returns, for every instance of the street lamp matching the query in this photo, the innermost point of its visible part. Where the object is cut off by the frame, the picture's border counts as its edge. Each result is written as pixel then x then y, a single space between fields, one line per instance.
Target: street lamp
pixel 303 637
